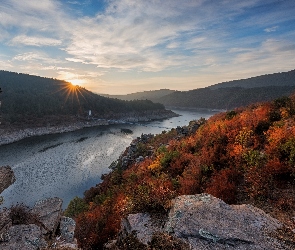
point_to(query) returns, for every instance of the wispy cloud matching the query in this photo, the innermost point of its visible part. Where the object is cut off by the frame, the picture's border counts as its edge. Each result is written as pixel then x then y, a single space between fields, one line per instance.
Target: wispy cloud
pixel 35 41
pixel 271 29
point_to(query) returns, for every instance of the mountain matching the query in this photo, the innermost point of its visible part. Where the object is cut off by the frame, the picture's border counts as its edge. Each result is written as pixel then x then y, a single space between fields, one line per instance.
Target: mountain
pixel 26 98
pixel 144 95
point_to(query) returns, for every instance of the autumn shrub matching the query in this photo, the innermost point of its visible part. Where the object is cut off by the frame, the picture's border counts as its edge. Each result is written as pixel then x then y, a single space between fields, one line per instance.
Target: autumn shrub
pixel 224 184
pixel 152 196
pixel 96 226
pixel 285 204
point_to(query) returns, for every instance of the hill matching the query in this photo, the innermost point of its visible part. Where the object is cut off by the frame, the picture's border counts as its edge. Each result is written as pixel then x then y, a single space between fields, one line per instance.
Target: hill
pixel 276 79
pixel 144 95
pixel 224 98
pixel 244 156
pixel 28 99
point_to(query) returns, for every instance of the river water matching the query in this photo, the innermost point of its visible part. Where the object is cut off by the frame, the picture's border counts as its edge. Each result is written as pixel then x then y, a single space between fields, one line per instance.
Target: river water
pixel 65 165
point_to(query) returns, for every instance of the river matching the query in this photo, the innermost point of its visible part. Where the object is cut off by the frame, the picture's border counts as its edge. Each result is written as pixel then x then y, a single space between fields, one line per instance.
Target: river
pixel 65 165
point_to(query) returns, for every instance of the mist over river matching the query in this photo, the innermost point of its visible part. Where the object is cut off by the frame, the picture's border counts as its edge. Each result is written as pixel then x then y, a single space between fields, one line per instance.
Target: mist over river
pixel 65 165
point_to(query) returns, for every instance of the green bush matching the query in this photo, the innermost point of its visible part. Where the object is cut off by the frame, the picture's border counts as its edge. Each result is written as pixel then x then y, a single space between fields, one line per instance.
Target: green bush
pixel 75 207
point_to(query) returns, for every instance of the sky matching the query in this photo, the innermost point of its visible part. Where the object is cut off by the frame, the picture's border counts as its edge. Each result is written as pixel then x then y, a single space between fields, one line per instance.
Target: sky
pixel 126 46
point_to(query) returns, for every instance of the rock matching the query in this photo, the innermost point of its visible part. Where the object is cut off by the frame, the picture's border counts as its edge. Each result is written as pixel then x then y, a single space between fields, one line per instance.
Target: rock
pixel 67 229
pixel 49 211
pixel 139 159
pixel 143 225
pixel 206 221
pixel 7 178
pixel 5 222
pixel 25 237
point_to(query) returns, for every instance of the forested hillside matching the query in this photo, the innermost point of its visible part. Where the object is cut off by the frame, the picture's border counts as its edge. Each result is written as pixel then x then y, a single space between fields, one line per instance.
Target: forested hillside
pixel 224 98
pixel 245 155
pixel 26 97
pixel 276 79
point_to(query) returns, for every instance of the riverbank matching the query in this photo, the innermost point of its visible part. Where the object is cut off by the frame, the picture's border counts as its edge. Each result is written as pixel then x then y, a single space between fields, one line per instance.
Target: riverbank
pixel 10 134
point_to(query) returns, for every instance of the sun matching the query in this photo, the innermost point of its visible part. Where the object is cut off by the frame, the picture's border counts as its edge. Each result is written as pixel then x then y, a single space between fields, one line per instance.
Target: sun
pixel 77 82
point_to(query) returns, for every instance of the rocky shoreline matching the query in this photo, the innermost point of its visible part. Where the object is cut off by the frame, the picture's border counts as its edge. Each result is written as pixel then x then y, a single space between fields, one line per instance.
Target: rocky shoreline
pixel 12 134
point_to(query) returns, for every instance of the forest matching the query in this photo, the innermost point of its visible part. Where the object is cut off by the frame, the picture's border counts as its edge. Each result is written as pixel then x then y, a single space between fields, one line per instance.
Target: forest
pixel 27 98
pixel 245 155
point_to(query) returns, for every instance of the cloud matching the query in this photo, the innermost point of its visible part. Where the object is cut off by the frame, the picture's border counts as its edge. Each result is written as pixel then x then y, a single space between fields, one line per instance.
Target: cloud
pixel 30 56
pixel 128 37
pixel 35 41
pixel 271 29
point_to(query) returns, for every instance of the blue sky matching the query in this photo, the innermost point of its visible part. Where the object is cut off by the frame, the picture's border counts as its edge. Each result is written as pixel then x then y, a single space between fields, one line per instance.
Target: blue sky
pixel 119 47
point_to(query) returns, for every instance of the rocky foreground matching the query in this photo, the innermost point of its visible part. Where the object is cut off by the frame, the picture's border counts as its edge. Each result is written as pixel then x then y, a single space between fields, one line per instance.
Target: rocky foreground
pixel 201 222
pixel 194 222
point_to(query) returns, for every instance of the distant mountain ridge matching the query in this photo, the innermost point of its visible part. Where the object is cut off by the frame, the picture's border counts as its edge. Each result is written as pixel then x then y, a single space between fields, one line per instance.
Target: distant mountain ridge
pixel 144 95
pixel 224 95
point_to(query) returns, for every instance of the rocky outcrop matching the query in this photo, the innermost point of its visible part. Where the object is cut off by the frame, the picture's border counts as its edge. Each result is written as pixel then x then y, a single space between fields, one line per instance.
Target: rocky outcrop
pixel 49 213
pixel 7 178
pixel 25 237
pixel 205 222
pixel 49 225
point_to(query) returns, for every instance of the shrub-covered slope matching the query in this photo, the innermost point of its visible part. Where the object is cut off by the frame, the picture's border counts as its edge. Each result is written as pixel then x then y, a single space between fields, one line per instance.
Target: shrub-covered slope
pixel 245 155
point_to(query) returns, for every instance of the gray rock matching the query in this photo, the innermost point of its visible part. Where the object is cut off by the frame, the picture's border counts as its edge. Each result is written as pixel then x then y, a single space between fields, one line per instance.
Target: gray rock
pixel 67 229
pixel 49 211
pixel 206 221
pixel 143 225
pixel 25 237
pixel 7 178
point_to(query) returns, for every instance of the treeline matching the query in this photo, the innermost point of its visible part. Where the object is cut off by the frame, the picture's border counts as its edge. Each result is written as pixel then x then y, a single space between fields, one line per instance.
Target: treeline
pixel 246 155
pixel 29 97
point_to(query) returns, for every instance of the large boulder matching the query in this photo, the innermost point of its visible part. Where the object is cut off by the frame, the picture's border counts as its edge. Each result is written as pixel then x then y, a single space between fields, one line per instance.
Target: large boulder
pixel 7 178
pixel 205 222
pixel 208 222
pixel 25 237
pixel 49 213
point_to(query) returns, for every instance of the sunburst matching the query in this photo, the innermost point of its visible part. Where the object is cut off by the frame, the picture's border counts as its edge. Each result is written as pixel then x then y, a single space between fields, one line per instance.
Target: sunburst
pixel 71 92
